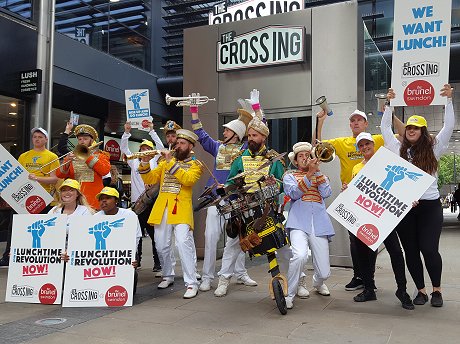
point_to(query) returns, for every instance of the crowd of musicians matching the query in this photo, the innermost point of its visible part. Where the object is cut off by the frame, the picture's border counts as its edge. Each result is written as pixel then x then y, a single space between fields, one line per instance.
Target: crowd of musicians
pixel 163 176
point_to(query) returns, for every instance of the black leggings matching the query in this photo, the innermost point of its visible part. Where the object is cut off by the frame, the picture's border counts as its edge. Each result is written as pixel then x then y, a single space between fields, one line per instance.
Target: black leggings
pixel 357 256
pixel 367 258
pixel 419 232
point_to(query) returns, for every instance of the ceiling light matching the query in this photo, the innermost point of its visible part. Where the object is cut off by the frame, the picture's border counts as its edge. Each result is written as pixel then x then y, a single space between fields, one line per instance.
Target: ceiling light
pixel 114 0
pixel 161 128
pixel 14 144
pixel 12 113
pixel 113 132
pixel 13 104
pixel 12 125
pixel 456 140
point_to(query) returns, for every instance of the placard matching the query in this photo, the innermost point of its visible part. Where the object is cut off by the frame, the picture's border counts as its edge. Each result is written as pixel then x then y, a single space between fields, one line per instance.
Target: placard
pixel 99 272
pixel 25 196
pixel 36 270
pixel 138 108
pixel 421 51
pixel 379 197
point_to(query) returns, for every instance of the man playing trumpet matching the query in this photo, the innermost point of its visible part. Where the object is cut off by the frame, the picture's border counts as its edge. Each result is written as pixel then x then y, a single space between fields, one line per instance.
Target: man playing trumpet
pixel 88 172
pixel 173 209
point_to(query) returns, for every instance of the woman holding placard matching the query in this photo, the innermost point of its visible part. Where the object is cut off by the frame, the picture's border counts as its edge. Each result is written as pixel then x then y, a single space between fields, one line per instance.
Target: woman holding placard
pixel 71 201
pixel 420 230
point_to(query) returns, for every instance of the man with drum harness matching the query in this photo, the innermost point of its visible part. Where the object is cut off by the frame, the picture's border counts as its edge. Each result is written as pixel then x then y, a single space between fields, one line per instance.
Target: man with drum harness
pixel 173 208
pixel 224 153
pixel 88 172
pixel 143 196
pixel 254 165
pixel 308 224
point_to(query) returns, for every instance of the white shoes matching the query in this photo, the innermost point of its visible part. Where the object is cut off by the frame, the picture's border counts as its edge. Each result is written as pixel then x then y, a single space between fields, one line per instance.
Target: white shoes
pixel 246 280
pixel 323 290
pixel 302 289
pixel 197 275
pixel 191 292
pixel 289 302
pixel 222 287
pixel 165 283
pixel 205 285
pixel 159 274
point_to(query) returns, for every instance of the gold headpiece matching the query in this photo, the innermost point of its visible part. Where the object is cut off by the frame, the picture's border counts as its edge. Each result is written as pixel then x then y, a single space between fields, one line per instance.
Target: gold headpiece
pixel 85 129
pixel 258 125
pixel 188 135
pixel 171 126
pixel 245 116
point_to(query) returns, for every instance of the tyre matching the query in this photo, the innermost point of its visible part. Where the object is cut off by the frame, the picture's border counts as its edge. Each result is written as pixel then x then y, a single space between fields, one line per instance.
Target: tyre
pixel 279 296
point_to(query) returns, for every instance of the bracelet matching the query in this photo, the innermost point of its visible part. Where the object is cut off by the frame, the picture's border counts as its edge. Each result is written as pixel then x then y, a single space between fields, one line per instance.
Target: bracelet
pixel 256 106
pixel 193 109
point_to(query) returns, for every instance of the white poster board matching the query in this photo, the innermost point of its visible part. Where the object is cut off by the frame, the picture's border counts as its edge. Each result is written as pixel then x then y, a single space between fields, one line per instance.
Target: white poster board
pixel 99 272
pixel 25 196
pixel 138 108
pixel 421 51
pixel 379 197
pixel 35 270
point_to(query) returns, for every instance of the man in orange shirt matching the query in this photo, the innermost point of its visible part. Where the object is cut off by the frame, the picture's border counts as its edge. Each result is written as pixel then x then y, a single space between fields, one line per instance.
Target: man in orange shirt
pixel 88 172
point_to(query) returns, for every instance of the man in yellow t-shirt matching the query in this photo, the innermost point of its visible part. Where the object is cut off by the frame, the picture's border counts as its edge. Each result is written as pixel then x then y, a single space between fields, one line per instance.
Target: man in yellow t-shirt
pixel 33 161
pixel 349 155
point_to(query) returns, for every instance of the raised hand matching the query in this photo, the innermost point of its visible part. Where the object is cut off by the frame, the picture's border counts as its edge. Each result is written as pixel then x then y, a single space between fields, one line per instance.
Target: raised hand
pixel 254 99
pixel 68 127
pixel 391 94
pixel 127 127
pixel 446 91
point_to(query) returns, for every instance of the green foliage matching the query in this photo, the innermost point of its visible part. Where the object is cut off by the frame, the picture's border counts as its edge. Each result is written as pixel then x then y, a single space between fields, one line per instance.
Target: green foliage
pixel 446 170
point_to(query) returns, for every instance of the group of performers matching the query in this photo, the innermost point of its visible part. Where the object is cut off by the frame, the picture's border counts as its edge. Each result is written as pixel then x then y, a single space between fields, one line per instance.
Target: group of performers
pixel 162 179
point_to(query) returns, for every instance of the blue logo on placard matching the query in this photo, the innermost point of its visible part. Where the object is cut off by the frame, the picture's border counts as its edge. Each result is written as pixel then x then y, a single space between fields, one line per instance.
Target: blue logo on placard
pixel 102 230
pixel 37 229
pixel 396 173
pixel 136 99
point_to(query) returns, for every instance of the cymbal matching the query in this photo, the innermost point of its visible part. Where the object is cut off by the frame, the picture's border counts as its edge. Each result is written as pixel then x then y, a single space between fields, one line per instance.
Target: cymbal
pixel 241 175
pixel 207 191
pixel 217 200
pixel 271 160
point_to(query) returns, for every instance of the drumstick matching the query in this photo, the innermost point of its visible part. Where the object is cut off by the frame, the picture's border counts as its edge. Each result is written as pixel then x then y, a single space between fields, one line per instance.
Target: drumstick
pixel 212 175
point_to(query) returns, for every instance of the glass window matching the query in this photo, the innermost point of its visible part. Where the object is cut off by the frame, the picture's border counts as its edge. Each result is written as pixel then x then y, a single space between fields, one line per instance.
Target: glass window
pixel 22 8
pixel 12 119
pixel 119 28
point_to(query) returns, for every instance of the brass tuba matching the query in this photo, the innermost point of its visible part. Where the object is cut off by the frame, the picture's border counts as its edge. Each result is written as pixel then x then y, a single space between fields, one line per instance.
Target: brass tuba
pixel 323 151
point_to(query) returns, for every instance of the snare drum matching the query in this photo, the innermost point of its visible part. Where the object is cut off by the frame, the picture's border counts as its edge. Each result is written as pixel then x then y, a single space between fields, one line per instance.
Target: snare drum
pixel 272 234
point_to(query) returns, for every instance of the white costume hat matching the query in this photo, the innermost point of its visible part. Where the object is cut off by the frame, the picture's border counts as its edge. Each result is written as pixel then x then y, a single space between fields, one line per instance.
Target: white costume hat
pixel 238 127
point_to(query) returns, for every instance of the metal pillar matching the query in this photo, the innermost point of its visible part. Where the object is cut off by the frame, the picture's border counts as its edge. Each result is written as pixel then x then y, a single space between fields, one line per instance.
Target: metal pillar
pixel 42 105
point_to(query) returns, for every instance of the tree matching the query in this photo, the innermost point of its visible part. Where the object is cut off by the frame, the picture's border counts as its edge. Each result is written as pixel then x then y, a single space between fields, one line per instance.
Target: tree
pixel 446 169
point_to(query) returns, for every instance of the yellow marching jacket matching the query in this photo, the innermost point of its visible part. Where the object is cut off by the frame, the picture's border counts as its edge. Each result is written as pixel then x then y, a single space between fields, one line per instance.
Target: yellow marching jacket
pixel 176 180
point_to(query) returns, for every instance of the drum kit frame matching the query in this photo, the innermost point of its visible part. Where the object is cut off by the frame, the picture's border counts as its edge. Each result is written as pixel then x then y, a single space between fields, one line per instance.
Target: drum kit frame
pixel 258 221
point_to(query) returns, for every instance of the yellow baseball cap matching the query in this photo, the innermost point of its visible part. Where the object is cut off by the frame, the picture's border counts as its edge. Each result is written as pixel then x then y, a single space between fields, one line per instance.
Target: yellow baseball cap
pixel 109 192
pixel 147 143
pixel 70 183
pixel 417 121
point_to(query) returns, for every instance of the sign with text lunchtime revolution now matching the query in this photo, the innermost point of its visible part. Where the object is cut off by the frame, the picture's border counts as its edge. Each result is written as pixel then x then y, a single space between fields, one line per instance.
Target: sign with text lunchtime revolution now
pixel 25 196
pixel 379 197
pixel 138 108
pixel 35 271
pixel 271 45
pixel 99 272
pixel 222 13
pixel 421 50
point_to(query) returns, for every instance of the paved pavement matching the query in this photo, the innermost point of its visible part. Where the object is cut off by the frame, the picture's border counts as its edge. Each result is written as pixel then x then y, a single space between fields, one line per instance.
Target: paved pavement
pixel 248 315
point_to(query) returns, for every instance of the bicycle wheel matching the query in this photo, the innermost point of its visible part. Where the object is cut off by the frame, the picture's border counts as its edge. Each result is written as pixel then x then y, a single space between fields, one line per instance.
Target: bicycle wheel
pixel 279 296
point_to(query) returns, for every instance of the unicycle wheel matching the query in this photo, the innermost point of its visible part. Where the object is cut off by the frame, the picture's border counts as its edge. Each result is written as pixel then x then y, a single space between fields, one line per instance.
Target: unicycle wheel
pixel 279 296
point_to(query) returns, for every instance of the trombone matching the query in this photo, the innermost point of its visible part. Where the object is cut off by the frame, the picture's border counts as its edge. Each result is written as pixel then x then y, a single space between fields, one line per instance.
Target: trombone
pixel 188 101
pixel 81 152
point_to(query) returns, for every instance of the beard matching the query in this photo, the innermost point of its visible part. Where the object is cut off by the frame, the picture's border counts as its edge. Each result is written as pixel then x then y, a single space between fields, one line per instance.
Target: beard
pixel 182 154
pixel 254 146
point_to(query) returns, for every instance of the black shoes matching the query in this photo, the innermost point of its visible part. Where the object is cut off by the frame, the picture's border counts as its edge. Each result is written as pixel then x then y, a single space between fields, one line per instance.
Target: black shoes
pixel 420 299
pixel 436 299
pixel 404 297
pixel 365 295
pixel 355 284
pixel 156 268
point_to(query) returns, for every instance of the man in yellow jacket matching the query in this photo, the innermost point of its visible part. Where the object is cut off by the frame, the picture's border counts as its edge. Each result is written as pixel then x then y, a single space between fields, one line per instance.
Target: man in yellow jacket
pixel 173 208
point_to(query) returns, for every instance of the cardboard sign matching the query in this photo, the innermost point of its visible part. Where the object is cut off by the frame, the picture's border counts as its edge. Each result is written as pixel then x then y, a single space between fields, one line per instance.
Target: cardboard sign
pixel 25 196
pixel 99 272
pixel 35 270
pixel 421 51
pixel 379 197
pixel 138 108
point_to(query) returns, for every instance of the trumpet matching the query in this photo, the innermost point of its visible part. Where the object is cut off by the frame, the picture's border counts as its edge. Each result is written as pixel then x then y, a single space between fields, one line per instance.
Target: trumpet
pixel 147 153
pixel 187 101
pixel 323 151
pixel 81 152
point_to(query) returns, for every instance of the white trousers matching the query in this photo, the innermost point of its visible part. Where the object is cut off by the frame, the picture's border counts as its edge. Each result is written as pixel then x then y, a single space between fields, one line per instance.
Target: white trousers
pixel 215 225
pixel 185 246
pixel 294 258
